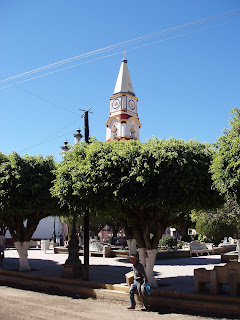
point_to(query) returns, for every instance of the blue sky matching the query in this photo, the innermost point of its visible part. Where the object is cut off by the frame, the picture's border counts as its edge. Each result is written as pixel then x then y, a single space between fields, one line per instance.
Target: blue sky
pixel 186 84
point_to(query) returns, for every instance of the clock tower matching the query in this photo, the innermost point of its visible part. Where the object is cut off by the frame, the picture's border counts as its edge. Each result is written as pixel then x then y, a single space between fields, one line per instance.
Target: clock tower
pixel 123 122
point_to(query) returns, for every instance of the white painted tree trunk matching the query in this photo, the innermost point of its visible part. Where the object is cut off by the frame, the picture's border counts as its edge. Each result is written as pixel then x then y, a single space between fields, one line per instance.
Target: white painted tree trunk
pixel 22 249
pixel 238 249
pixel 147 259
pixel 132 246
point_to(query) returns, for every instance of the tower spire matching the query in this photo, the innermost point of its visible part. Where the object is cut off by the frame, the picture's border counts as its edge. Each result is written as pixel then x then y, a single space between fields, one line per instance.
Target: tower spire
pixel 124 83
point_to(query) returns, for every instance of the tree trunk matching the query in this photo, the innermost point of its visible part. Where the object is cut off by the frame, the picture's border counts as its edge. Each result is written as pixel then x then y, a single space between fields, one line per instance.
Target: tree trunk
pixel 22 249
pixel 142 256
pixel 132 246
pixel 147 259
pixel 150 261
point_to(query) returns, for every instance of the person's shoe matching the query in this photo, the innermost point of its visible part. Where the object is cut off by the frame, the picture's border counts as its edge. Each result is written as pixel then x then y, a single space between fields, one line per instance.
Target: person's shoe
pixel 132 307
pixel 147 308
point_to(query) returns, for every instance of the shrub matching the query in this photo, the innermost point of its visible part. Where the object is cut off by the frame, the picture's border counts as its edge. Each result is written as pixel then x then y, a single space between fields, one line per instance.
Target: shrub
pixel 168 241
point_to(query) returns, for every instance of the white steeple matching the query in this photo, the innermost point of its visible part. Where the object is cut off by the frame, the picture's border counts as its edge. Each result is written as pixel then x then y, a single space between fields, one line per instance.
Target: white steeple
pixel 123 121
pixel 124 83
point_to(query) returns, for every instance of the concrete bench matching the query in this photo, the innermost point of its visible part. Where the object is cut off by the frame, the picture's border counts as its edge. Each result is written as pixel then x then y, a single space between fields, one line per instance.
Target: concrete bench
pixel 199 248
pixel 228 274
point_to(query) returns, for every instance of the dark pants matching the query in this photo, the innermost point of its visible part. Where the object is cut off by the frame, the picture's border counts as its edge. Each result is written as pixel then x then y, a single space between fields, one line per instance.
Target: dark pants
pixel 137 286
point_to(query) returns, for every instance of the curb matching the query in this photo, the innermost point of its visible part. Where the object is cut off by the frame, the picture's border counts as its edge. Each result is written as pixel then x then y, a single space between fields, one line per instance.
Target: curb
pixel 159 300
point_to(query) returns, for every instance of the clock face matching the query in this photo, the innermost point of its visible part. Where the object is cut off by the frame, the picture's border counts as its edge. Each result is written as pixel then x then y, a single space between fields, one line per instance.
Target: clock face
pixel 132 104
pixel 116 104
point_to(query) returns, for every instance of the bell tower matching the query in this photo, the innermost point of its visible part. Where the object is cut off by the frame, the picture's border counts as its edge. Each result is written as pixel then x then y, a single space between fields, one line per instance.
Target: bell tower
pixel 123 122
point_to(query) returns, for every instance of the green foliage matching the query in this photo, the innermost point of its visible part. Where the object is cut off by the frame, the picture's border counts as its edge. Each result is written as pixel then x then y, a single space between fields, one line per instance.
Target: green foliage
pixel 25 184
pixel 168 242
pixel 180 244
pixel 226 164
pixel 172 173
pixel 201 238
pixel 215 225
pixel 146 184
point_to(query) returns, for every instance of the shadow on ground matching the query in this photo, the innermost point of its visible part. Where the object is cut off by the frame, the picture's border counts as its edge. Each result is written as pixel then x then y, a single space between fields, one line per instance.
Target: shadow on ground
pixel 203 260
pixel 97 273
pixel 111 274
pixel 187 261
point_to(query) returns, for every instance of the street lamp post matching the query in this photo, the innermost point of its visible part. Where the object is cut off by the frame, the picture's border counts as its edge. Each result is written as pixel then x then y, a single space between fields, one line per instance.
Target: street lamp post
pixel 73 265
pixel 86 215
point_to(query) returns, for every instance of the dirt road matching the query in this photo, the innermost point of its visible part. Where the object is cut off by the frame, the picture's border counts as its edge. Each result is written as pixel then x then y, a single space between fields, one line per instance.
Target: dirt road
pixel 16 304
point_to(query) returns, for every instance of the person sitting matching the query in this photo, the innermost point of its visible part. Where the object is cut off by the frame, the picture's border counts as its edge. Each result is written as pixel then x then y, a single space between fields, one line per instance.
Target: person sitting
pixel 139 279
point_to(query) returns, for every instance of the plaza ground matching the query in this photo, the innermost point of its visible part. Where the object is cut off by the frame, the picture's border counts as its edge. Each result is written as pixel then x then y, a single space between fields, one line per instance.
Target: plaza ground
pixel 173 275
pixel 175 295
pixel 18 304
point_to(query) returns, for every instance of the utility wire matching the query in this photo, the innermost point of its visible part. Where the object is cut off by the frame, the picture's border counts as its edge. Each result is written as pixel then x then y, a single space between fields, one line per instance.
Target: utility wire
pixel 46 140
pixel 36 145
pixel 143 38
pixel 179 36
pixel 41 98
pixel 46 74
pixel 119 52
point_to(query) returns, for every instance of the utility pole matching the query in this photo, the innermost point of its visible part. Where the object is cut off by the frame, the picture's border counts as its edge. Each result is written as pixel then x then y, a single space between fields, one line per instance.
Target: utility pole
pixel 86 214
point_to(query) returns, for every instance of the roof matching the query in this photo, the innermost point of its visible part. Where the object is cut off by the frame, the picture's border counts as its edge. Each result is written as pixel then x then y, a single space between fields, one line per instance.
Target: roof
pixel 124 83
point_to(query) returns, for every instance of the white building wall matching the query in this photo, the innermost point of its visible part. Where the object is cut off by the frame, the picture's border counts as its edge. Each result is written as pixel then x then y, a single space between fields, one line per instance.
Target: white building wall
pixel 45 229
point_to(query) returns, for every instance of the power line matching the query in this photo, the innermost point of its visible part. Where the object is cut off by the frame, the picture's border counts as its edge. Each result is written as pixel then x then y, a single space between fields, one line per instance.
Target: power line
pixel 129 42
pixel 120 52
pixel 47 139
pixel 46 74
pixel 43 142
pixel 121 44
pixel 48 101
pixel 182 35
pixel 43 99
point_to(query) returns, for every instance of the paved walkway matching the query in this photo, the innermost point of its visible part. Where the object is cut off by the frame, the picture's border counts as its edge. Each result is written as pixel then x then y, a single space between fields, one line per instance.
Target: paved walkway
pixel 174 275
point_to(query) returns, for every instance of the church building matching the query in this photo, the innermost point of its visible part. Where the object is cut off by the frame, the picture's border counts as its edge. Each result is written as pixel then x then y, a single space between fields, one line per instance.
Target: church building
pixel 123 122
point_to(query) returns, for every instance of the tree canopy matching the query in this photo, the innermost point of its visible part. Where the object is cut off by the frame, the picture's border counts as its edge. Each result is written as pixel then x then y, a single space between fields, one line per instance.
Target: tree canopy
pixel 150 185
pixel 25 196
pixel 215 225
pixel 226 164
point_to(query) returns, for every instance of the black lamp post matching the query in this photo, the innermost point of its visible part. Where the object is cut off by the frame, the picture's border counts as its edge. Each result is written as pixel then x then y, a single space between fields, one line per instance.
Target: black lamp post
pixel 86 214
pixel 73 265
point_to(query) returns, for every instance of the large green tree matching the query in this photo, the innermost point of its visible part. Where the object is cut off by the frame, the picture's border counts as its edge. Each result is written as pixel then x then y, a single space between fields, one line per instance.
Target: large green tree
pixel 226 164
pixel 148 186
pixel 25 197
pixel 220 223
